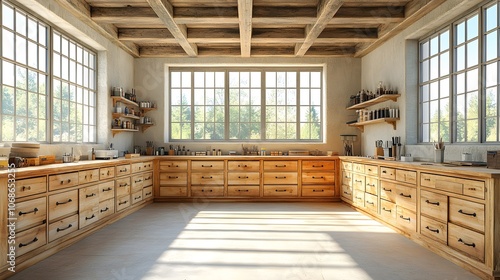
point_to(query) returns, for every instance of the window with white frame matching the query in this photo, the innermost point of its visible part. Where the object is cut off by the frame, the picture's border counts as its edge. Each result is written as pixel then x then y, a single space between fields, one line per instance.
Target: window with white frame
pixel 254 104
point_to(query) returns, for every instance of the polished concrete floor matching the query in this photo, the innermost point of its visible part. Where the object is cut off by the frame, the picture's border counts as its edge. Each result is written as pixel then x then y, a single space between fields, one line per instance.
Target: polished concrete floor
pixel 240 241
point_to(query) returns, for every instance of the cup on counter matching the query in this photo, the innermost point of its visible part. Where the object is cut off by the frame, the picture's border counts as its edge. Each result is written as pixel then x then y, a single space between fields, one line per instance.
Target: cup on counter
pixel 439 155
pixel 329 153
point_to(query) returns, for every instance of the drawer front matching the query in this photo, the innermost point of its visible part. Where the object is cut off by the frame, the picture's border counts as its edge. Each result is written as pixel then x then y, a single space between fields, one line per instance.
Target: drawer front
pixel 31 239
pixel 137 167
pixel 106 208
pixel 122 170
pixel 406 219
pixel 318 191
pixel 147 166
pixel 467 241
pixel 238 166
pixel 207 165
pixel 358 182
pixel 346 165
pixel 174 165
pixel 122 186
pixel 88 197
pixel 371 202
pixel 31 213
pixel 106 190
pixel 388 211
pixel 320 178
pixel 371 170
pixel 358 167
pixel 173 179
pixel 434 205
pixel 247 191
pixel 280 165
pixel 148 179
pixel 63 204
pixel 207 178
pixel 243 178
pixel 122 202
pixel 318 165
pixel 88 176
pixel 434 229
pixel 137 197
pixel 61 181
pixel 280 178
pixel 388 191
pixel 347 178
pixel 358 198
pixel 406 176
pixel 63 227
pixel 25 187
pixel 406 197
pixel 89 216
pixel 136 183
pixel 371 185
pixel 147 192
pixel 207 191
pixel 466 213
pixel 388 173
pixel 346 192
pixel 451 184
pixel 106 173
pixel 279 190
pixel 173 192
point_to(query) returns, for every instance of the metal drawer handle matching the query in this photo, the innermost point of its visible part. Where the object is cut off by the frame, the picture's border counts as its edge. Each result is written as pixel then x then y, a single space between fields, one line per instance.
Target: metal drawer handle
pixel 321 177
pixel 318 190
pixel 360 198
pixel 467 244
pixel 149 193
pixel 90 195
pixel 387 190
pixel 172 165
pixel 104 210
pixel 137 197
pixel 369 169
pixel 31 242
pixel 107 190
pixel 465 213
pixel 243 190
pixel 284 165
pixel 243 165
pixel 26 188
pixel 123 170
pixel 280 190
pixel 123 185
pixel 405 195
pixel 149 178
pixel 427 179
pixel 317 166
pixel 471 189
pixel 121 203
pixel 32 211
pixel 68 181
pixel 173 177
pixel 371 185
pixel 203 190
pixel 386 210
pixel 206 177
pixel 370 202
pixel 59 203
pixel 206 165
pixel 383 171
pixel 90 218
pixel 242 177
pixel 358 181
pixel 61 229
pixel 138 181
pixel 402 217
pixel 433 203
pixel 280 177
pixel 433 230
pixel 347 193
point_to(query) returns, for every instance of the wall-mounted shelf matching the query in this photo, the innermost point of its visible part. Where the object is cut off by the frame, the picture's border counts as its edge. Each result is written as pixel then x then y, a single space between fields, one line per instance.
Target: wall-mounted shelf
pixel 145 110
pixel 123 100
pixel 115 131
pixel 380 99
pixel 128 116
pixel 361 125
pixel 134 118
pixel 145 126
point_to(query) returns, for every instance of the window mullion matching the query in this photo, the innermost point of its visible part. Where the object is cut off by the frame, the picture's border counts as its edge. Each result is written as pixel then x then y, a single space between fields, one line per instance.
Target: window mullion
pixel 263 135
pixel 226 105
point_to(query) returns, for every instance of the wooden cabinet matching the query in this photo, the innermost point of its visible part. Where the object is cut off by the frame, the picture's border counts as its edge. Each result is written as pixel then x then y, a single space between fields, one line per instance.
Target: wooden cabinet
pixel 280 178
pixel 31 213
pixel 243 178
pixel 63 227
pixel 31 186
pixel 173 178
pixel 207 178
pixel 346 191
pixel 318 178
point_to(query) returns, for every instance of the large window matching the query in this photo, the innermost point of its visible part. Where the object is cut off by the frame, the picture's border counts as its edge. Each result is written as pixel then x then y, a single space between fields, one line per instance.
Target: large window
pixel 246 104
pixel 44 100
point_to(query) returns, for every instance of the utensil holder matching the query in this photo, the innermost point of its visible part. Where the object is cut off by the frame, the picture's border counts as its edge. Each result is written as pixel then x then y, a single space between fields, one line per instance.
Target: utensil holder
pixel 439 155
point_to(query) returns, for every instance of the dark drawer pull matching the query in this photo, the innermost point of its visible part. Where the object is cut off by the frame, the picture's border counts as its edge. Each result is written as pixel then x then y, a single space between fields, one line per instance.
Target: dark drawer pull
pixel 280 190
pixel 465 213
pixel 173 177
pixel 402 217
pixel 243 190
pixel 121 203
pixel 405 195
pixel 149 178
pixel 347 177
pixel 387 190
pixel 90 195
pixel 318 190
pixel 280 177
pixel 149 193
pixel 90 218
pixel 59 203
pixel 471 189
pixel 206 165
pixel 26 188
pixel 61 229
pixel 358 181
pixel 321 177
pixel 243 165
pixel 207 190
pixel 370 202
pixel 206 177
pixel 383 171
pixel 427 179
pixel 172 165
pixel 105 209
pixel 386 210
pixel 317 166
pixel 371 185
pixel 433 203
pixel 123 185
pixel 31 242
pixel 467 244
pixel 284 165
pixel 138 181
pixel 433 230
pixel 242 177
pixel 359 198
pixel 107 190
pixel 67 181
pixel 32 211
pixel 347 193
pixel 369 169
pixel 137 197
pixel 123 170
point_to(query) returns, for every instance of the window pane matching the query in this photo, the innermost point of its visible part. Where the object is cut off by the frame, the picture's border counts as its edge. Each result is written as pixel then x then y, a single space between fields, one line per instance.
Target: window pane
pixel 491 17
pixel 472 27
pixel 491 45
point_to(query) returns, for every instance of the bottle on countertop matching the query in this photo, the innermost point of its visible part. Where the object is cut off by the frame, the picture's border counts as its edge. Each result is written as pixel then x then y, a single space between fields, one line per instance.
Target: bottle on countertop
pixel 93 154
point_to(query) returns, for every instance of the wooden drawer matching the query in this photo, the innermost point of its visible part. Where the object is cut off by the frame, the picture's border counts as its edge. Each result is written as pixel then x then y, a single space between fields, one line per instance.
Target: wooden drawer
pixel 346 165
pixel 243 178
pixel 346 192
pixel 61 181
pixel 88 197
pixel 106 190
pixel 388 191
pixel 318 165
pixel 106 208
pixel 371 170
pixel 406 219
pixel 137 197
pixel 63 204
pixel 434 205
pixel 63 227
pixel 371 185
pixel 31 239
pixel 122 202
pixel 173 179
pixel 207 166
pixel 406 197
pixel 466 213
pixel 137 167
pixel 122 170
pixel 88 176
pixel 173 192
pixel 31 213
pixel 406 176
pixel 207 178
pixel 434 229
pixel 136 183
pixel 281 165
pixel 280 190
pixel 207 191
pixel 347 178
pixel 467 241
pixel 388 211
pixel 253 191
pixel 280 178
pixel 318 191
pixel 358 182
pixel 89 216
pixel 122 186
pixel 31 186
pixel 106 173
pixel 320 178
pixel 173 166
pixel 455 185
pixel 371 202
pixel 147 192
pixel 147 166
pixel 239 166
pixel 358 167
pixel 148 179
pixel 358 198
pixel 387 173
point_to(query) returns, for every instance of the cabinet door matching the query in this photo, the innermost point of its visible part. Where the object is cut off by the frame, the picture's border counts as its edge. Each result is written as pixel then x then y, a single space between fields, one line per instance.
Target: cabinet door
pixel 106 190
pixel 106 208
pixel 358 182
pixel 407 197
pixel 406 219
pixel 388 191
pixel 63 204
pixel 63 227
pixel 30 239
pixel 88 197
pixel 466 241
pixel 434 229
pixel 388 211
pixel 434 205
pixel 466 213
pixel 122 186
pixel 371 185
pixel 31 213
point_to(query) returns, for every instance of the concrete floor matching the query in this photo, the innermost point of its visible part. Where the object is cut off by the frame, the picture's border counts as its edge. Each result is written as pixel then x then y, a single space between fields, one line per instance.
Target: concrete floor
pixel 245 241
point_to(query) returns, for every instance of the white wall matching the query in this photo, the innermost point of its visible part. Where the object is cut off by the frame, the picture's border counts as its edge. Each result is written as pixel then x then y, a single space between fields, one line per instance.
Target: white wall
pixel 342 80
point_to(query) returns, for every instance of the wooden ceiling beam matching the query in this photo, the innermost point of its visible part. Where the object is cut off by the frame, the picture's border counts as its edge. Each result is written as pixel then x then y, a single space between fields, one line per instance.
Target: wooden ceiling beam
pixel 164 10
pixel 146 35
pixel 245 22
pixel 113 15
pixel 162 51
